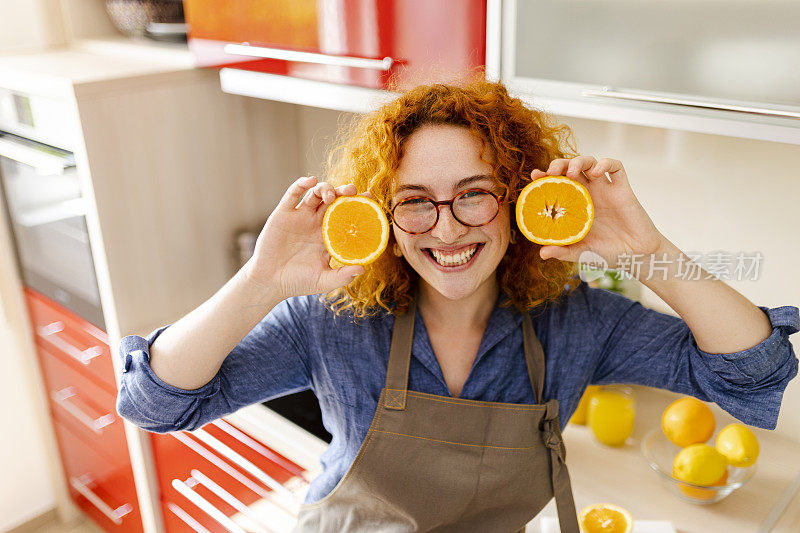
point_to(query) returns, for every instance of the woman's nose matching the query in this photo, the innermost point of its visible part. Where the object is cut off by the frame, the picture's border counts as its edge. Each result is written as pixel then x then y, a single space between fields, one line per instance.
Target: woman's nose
pixel 448 229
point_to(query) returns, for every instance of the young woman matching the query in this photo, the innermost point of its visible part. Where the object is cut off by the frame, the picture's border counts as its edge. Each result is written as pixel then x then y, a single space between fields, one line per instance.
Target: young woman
pixel 447 369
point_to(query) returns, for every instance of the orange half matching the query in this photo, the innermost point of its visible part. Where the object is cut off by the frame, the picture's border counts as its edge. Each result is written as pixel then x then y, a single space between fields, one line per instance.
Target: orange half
pixel 554 210
pixel 605 518
pixel 355 230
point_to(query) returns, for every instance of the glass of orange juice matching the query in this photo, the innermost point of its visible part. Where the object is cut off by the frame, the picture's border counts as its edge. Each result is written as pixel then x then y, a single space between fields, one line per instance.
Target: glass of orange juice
pixel 612 412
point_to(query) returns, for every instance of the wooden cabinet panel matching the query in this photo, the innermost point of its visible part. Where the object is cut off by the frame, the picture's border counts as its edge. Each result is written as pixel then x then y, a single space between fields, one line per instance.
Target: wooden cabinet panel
pixel 81 343
pixel 427 40
pixel 100 484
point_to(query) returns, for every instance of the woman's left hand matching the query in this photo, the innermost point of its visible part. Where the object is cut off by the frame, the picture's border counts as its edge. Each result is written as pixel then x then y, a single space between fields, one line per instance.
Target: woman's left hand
pixel 621 225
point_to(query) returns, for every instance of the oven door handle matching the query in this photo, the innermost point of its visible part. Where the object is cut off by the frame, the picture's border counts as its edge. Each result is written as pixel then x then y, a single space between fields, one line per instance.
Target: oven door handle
pixel 74 207
pixel 42 160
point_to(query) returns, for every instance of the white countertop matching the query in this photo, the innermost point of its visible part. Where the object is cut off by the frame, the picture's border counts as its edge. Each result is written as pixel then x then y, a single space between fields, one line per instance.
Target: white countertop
pixel 90 63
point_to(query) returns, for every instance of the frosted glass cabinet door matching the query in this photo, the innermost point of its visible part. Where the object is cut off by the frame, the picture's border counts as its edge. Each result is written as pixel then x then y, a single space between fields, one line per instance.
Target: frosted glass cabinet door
pixel 745 51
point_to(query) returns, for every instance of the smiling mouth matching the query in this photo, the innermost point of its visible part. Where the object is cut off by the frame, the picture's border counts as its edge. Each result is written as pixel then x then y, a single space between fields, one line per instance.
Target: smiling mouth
pixel 453 260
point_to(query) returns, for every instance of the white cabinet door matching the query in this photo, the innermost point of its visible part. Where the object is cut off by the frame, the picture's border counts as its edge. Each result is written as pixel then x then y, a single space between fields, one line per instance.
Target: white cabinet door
pixel 726 60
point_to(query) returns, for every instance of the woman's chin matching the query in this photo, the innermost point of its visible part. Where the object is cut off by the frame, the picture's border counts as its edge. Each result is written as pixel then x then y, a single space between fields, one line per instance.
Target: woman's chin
pixel 454 289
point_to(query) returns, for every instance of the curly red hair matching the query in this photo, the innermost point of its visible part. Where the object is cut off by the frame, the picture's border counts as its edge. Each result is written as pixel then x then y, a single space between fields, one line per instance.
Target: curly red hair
pixel 519 139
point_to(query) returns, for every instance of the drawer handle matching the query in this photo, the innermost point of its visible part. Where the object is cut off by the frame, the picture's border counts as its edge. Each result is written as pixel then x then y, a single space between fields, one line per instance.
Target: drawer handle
pixel 81 484
pixel 230 499
pixel 228 452
pixel 187 518
pixel 85 357
pixel 245 49
pixel 205 505
pixel 219 463
pixel 256 446
pixel 289 509
pixel 62 397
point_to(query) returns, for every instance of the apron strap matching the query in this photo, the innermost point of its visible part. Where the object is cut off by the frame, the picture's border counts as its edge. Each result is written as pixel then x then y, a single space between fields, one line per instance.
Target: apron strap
pixel 562 487
pixel 400 357
pixel 534 357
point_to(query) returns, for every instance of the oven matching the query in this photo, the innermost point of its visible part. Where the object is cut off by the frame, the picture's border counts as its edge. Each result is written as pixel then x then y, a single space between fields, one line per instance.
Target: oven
pixel 42 197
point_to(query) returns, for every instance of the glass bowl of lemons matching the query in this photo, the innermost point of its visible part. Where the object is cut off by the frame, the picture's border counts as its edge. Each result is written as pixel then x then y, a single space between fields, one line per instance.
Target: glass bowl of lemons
pixel 698 462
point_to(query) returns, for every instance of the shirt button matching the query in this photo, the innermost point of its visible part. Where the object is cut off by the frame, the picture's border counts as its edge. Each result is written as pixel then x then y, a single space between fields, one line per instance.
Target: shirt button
pixel 128 361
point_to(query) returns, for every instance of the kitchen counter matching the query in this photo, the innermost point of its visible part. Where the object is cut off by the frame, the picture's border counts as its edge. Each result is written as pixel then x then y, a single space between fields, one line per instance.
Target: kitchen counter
pixel 91 64
pixel 622 476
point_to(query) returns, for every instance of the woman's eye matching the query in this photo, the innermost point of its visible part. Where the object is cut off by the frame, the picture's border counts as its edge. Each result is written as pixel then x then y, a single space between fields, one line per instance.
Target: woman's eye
pixel 413 201
pixel 473 194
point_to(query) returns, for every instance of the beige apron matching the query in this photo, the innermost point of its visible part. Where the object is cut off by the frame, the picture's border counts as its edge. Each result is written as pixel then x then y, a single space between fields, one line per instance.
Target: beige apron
pixel 437 463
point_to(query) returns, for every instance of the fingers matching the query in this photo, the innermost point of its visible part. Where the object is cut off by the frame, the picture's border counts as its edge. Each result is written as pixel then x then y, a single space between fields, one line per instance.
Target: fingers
pixel 296 191
pixel 581 167
pixel 606 167
pixel 324 193
pixel 338 277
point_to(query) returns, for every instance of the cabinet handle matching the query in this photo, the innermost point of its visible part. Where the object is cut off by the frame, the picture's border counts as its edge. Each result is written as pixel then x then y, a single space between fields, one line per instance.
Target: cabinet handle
pixel 219 463
pixel 608 92
pixel 81 484
pixel 228 452
pixel 230 499
pixel 49 333
pixel 62 397
pixel 246 49
pixel 206 506
pixel 256 446
pixel 42 160
pixel 187 518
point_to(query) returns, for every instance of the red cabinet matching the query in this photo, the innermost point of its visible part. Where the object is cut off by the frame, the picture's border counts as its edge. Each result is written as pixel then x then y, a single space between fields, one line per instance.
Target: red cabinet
pixel 79 380
pixel 354 42
pixel 209 475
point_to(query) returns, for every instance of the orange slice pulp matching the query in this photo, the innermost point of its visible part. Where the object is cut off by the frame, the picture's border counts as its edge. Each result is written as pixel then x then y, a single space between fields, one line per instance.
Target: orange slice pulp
pixel 554 210
pixel 355 230
pixel 605 518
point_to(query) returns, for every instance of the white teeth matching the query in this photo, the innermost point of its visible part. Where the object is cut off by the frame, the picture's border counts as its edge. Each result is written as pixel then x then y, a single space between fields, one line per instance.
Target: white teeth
pixel 453 260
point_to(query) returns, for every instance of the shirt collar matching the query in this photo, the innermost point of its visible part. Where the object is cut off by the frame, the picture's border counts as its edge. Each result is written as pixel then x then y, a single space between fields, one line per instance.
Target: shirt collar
pixel 502 322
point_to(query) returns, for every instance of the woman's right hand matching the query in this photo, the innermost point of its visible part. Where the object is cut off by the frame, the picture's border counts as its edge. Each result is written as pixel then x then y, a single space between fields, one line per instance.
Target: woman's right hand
pixel 290 258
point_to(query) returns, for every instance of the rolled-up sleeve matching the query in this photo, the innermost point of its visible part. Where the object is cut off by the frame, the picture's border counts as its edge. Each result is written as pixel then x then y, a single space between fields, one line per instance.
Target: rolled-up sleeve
pixel 268 362
pixel 643 346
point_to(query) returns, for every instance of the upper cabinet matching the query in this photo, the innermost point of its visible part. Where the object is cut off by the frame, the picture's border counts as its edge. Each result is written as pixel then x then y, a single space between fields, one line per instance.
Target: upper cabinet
pixel 361 43
pixel 704 60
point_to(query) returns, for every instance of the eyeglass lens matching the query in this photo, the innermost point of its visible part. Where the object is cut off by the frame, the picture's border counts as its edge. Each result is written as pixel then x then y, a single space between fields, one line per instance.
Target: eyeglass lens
pixel 473 208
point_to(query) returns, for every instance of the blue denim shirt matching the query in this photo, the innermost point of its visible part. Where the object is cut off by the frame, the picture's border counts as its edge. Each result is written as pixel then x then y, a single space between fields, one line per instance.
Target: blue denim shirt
pixel 591 336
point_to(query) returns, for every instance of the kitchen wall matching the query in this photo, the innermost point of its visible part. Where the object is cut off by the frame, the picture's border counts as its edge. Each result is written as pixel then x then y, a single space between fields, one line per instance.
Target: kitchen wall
pixel 26 474
pixel 26 24
pixel 706 193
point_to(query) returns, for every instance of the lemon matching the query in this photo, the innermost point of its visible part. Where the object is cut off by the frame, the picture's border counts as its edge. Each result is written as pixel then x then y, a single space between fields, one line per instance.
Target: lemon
pixel 611 416
pixel 605 518
pixel 581 414
pixel 688 421
pixel 738 444
pixel 703 494
pixel 699 464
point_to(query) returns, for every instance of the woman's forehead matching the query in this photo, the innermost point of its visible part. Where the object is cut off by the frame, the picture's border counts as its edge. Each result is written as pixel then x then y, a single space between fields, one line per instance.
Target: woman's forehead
pixel 435 158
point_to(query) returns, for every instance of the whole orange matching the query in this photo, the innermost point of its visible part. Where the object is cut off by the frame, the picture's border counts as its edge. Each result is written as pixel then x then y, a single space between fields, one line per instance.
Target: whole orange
pixel 688 421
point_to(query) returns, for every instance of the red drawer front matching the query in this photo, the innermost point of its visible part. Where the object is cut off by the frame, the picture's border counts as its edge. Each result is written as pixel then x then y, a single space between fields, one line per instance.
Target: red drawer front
pixel 182 457
pixel 76 398
pixel 430 40
pixel 101 485
pixel 79 341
